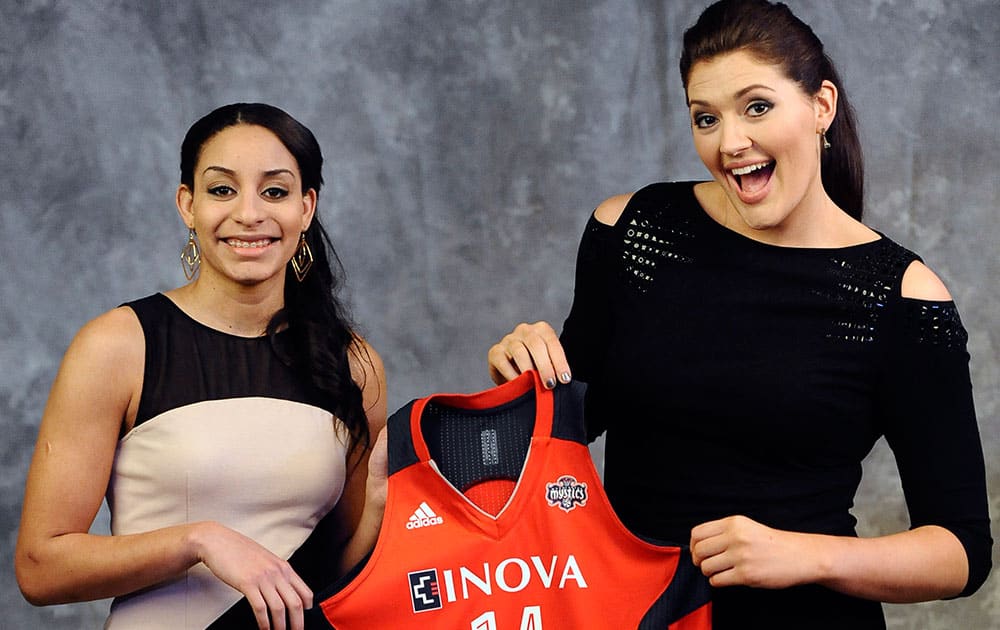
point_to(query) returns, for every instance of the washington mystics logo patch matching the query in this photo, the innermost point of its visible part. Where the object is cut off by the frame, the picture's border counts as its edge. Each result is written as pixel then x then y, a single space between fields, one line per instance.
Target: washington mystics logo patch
pixel 566 493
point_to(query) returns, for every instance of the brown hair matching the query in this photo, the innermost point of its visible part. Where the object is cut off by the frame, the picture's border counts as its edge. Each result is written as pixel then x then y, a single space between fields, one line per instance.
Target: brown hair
pixel 771 33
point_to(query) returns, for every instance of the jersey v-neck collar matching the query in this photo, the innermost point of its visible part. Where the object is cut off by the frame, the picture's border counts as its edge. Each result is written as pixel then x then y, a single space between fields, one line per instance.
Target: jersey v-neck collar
pixel 494 525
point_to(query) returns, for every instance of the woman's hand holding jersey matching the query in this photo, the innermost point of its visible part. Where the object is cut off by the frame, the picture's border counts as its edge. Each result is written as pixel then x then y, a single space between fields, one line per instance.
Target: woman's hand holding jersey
pixel 529 347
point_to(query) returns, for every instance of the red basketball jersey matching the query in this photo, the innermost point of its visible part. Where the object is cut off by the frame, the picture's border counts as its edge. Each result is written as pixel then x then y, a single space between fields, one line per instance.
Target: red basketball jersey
pixel 546 552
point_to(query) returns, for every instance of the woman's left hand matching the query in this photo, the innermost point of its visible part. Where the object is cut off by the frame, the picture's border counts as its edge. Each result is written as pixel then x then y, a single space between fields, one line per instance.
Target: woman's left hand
pixel 740 551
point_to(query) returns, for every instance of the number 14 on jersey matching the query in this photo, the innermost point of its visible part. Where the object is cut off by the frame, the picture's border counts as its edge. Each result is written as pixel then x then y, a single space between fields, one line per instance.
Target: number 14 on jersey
pixel 531 619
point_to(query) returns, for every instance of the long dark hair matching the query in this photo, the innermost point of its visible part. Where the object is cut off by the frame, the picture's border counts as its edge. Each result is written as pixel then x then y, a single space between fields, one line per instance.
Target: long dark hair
pixel 771 33
pixel 319 332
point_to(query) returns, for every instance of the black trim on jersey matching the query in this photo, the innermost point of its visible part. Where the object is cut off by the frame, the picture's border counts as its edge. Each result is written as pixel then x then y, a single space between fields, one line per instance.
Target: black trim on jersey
pixel 504 433
pixel 567 409
pixel 400 446
pixel 314 618
pixel 687 592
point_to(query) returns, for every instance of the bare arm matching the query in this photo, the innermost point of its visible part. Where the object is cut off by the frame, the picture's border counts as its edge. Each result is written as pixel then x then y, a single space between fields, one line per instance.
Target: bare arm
pixel 362 503
pixel 56 559
pixel 918 565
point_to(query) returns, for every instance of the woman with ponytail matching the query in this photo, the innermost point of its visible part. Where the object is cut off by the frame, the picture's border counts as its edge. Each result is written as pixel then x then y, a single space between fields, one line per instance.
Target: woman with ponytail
pixel 747 339
pixel 230 422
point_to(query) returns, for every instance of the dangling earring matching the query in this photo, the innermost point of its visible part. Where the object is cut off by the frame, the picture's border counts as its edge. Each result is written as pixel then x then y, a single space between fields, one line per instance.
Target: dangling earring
pixel 826 143
pixel 302 259
pixel 190 256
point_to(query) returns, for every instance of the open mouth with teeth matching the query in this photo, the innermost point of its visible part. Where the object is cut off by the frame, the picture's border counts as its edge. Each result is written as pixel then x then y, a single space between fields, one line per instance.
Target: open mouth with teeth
pixel 258 244
pixel 751 179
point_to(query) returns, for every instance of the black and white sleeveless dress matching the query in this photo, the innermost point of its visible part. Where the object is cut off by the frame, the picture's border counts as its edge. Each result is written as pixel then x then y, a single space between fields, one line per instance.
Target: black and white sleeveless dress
pixel 226 432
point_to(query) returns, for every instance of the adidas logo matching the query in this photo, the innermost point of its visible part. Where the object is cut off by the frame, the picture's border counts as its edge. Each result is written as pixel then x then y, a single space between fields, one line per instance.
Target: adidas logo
pixel 423 517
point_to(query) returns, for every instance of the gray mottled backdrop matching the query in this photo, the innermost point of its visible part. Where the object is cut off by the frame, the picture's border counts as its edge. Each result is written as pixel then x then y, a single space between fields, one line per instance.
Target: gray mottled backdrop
pixel 466 143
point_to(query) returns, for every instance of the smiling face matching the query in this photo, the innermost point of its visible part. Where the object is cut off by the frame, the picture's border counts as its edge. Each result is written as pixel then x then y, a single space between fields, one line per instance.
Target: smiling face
pixel 757 132
pixel 246 205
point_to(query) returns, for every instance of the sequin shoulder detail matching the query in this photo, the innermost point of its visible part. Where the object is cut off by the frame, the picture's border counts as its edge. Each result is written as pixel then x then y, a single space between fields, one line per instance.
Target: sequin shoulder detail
pixel 862 285
pixel 656 230
pixel 935 323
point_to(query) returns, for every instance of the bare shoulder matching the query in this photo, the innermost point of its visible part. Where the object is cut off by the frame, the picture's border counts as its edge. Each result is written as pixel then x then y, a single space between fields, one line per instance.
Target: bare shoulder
pixel 365 361
pixel 920 283
pixel 97 386
pixel 114 338
pixel 369 373
pixel 612 208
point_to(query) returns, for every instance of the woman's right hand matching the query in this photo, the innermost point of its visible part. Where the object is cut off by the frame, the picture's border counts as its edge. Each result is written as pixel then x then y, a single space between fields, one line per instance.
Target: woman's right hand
pixel 269 583
pixel 529 347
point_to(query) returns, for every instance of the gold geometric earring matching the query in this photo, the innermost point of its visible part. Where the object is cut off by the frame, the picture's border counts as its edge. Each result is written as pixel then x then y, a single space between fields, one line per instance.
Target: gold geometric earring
pixel 826 143
pixel 302 259
pixel 190 256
